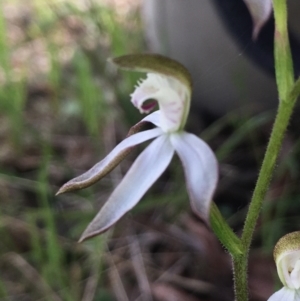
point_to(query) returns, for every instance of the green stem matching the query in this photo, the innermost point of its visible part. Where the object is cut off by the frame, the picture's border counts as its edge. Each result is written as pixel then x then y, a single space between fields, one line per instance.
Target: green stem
pixel 282 52
pixel 240 263
pixel 296 90
pixel 240 277
pixel 225 234
pixel 288 93
pixel 281 122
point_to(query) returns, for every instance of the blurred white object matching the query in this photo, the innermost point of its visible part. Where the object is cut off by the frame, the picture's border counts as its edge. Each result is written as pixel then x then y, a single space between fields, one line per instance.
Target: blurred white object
pixel 192 32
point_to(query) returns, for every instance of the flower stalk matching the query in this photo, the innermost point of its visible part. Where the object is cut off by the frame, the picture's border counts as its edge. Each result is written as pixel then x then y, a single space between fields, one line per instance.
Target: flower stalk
pixel 240 263
pixel 225 234
pixel 288 92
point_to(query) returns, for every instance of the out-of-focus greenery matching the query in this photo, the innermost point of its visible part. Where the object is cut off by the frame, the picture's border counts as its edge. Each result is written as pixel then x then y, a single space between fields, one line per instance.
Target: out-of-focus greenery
pixel 55 87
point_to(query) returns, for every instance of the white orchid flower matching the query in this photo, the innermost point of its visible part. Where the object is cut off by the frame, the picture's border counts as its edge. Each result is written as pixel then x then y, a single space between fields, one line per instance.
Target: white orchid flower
pixel 168 83
pixel 260 11
pixel 287 257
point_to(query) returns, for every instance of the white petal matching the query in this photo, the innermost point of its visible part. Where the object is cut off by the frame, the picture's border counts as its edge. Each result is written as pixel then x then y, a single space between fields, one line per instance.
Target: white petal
pixel 103 167
pixel 150 164
pixel 260 11
pixel 153 118
pixel 285 294
pixel 201 170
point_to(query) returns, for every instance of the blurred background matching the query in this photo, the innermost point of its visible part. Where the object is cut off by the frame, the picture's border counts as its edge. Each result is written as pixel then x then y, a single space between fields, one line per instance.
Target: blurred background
pixel 62 108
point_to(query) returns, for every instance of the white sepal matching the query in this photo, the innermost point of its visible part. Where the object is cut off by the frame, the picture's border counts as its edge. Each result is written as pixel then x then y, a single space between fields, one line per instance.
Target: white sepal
pixel 200 168
pixel 145 170
pixel 103 167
